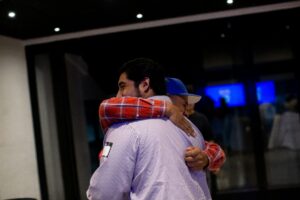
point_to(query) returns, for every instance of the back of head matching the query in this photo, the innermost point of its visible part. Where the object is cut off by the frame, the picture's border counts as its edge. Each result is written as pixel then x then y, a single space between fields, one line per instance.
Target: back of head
pixel 140 68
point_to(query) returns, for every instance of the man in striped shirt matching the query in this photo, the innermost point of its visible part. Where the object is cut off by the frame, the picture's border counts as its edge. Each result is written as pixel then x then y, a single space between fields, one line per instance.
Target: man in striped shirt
pixel 143 159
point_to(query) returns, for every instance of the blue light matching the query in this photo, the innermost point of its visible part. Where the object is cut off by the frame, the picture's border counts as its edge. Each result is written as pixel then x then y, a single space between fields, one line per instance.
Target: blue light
pixel 234 94
pixel 265 92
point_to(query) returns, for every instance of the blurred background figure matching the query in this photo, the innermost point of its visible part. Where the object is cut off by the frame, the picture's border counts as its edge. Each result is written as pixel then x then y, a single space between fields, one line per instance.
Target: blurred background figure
pixel 222 125
pixel 267 113
pixel 286 127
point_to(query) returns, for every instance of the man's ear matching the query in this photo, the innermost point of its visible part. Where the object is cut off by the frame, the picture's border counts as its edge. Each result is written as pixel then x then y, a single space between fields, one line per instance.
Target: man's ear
pixel 144 86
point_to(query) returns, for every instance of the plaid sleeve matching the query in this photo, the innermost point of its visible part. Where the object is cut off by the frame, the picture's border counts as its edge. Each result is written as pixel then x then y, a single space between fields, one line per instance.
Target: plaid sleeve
pixel 121 109
pixel 215 155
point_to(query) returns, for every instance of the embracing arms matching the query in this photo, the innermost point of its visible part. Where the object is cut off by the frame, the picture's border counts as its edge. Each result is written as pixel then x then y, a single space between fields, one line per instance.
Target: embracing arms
pixel 121 109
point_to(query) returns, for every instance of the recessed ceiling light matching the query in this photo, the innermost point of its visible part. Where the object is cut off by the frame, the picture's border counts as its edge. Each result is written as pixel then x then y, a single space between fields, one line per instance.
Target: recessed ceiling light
pixel 56 29
pixel 229 1
pixel 11 14
pixel 139 16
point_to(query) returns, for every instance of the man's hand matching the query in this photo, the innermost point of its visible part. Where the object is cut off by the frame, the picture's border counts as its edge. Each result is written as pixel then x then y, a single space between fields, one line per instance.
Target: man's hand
pixel 178 119
pixel 195 158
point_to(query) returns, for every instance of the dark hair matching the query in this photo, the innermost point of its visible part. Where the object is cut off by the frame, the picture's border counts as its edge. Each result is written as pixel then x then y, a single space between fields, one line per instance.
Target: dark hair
pixel 139 68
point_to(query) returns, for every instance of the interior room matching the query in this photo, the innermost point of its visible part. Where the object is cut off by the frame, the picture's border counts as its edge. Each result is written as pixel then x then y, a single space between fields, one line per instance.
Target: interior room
pixel 57 66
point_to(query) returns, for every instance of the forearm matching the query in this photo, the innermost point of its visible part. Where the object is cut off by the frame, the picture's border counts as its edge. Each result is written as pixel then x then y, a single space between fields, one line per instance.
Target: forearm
pixel 129 108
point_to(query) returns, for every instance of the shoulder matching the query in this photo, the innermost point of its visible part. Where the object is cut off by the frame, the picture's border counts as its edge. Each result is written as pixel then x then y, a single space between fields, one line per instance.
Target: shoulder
pixel 138 126
pixel 121 132
pixel 150 125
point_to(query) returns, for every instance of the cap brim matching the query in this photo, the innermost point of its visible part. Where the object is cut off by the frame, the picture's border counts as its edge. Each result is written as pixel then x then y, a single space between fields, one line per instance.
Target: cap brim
pixel 193 99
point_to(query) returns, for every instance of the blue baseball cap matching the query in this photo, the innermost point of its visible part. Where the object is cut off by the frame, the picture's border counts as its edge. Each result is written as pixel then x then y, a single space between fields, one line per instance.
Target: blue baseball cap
pixel 177 87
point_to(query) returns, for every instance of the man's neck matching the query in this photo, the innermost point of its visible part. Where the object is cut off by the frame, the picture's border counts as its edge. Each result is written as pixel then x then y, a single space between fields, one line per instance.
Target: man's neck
pixel 149 93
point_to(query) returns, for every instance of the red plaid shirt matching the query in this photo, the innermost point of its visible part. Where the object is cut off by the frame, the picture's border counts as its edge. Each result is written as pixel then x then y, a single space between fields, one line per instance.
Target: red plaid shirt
pixel 115 110
pixel 130 108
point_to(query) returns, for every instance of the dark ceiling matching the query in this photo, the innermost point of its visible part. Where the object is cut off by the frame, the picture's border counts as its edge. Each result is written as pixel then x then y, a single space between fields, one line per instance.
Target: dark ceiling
pixel 36 18
pixel 180 48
